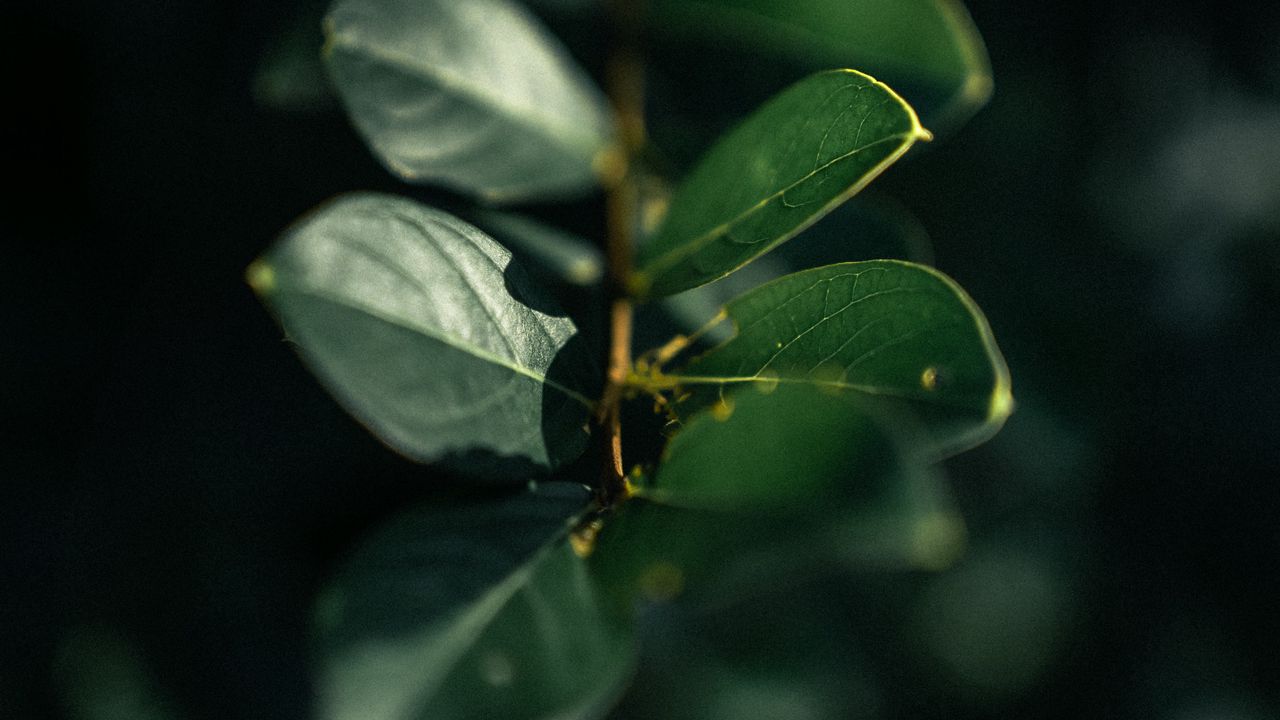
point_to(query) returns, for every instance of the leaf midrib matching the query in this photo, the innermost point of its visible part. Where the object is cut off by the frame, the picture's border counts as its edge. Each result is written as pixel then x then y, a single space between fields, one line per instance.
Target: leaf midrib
pixel 877 390
pixel 450 340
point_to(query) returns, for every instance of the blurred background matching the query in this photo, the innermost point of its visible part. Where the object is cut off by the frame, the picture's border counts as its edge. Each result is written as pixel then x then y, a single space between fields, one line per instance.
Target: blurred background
pixel 176 485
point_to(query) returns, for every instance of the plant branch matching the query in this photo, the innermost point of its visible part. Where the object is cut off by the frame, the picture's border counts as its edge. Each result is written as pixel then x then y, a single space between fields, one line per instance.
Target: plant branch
pixel 626 92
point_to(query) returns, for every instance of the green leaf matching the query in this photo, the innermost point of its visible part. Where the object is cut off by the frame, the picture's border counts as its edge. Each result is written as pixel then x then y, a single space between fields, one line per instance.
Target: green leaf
pixel 897 331
pixel 781 450
pixel 427 332
pixel 799 660
pixel 474 95
pixel 803 153
pixel 472 609
pixel 776 483
pixel 928 49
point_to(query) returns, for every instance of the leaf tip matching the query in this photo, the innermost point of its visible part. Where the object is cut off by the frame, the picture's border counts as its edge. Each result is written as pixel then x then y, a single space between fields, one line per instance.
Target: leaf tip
pixel 1002 403
pixel 919 133
pixel 978 88
pixel 585 271
pixel 260 276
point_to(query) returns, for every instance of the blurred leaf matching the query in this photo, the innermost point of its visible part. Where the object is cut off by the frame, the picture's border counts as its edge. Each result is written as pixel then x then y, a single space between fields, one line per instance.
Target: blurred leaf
pixel 991 626
pixel 545 250
pixel 801 154
pixel 772 484
pixel 772 452
pixel 930 47
pixel 885 329
pixel 474 95
pixel 290 76
pixel 478 609
pixel 423 328
pixel 702 666
pixel 102 675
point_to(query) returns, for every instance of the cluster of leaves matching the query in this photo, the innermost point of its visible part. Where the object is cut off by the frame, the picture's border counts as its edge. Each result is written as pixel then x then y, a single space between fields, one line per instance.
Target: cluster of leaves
pixel 808 437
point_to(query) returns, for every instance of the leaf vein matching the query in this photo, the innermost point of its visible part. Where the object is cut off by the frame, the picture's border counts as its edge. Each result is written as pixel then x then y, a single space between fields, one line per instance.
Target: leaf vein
pixel 684 250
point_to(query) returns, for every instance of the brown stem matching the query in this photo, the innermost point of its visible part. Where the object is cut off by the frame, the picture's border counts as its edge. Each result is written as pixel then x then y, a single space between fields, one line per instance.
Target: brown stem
pixel 626 91
pixel 620 206
pixel 609 411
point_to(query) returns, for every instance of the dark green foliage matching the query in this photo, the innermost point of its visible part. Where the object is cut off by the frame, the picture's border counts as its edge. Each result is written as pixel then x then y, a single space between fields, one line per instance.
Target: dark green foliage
pixel 805 440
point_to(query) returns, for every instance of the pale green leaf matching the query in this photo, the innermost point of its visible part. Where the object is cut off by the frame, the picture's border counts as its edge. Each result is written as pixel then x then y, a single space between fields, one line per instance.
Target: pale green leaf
pixel 801 154
pixel 475 95
pixel 472 609
pixel 885 329
pixel 929 50
pixel 427 332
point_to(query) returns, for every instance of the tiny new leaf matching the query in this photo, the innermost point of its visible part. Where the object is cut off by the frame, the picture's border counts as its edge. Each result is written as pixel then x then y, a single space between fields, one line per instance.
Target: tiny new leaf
pixel 473 95
pixel 800 155
pixel 472 609
pixel 425 330
pixel 886 329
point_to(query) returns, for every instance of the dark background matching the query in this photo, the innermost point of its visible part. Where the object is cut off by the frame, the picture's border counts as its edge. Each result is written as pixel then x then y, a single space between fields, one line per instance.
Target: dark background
pixel 172 473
